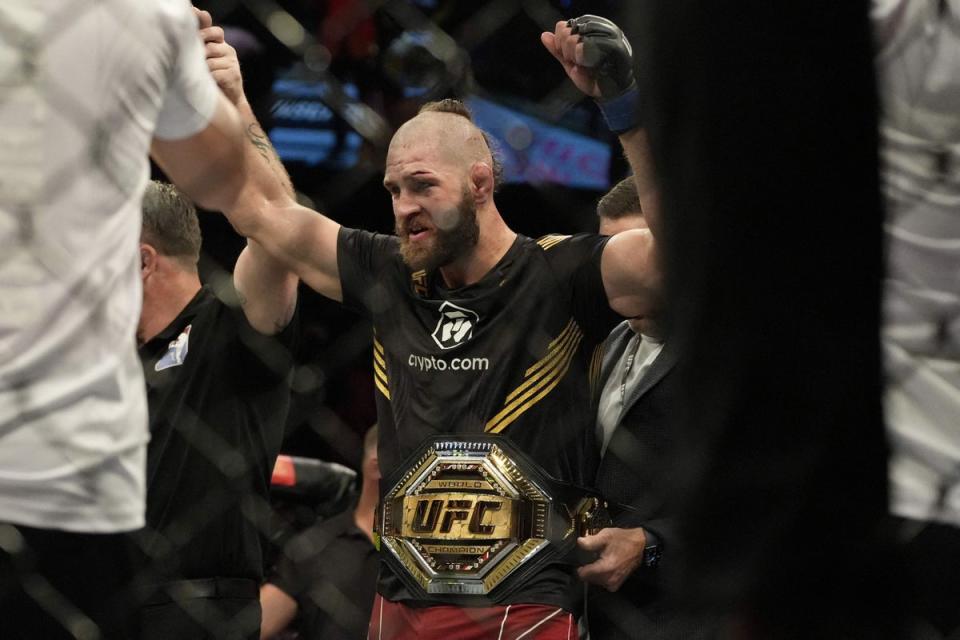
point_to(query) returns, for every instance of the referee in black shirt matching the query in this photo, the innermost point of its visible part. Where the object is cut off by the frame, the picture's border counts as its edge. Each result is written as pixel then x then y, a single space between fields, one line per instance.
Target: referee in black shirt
pixel 218 391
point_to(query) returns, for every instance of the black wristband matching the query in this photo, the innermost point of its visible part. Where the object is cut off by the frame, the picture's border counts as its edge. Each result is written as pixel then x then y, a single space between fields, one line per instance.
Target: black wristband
pixel 623 112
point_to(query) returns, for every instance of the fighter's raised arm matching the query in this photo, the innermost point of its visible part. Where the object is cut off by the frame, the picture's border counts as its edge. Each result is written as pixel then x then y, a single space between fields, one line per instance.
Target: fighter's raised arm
pixel 296 238
pixel 266 286
pixel 598 59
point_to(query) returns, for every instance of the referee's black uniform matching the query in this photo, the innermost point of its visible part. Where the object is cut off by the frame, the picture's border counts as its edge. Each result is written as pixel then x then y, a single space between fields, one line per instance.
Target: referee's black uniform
pixel 218 395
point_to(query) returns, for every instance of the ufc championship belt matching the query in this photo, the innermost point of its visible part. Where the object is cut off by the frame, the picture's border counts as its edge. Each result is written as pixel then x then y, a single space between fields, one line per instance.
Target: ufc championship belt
pixel 470 518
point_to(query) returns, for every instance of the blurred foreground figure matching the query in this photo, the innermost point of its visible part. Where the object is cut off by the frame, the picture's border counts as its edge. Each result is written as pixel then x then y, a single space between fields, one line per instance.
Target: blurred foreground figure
pixel 918 58
pixel 84 89
pixel 764 131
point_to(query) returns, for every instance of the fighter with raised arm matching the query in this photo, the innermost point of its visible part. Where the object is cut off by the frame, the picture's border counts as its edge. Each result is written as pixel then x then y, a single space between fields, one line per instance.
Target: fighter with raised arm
pixel 486 343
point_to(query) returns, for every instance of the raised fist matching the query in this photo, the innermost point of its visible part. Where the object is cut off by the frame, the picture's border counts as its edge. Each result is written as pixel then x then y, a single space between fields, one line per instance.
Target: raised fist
pixel 221 58
pixel 606 51
pixel 595 54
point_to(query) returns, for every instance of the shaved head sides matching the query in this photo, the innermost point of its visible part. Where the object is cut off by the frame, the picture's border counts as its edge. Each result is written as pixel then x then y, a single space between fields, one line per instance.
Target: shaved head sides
pixel 450 122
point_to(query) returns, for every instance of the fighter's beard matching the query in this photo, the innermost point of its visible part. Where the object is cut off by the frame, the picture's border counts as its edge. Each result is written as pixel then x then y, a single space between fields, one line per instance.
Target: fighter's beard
pixel 448 244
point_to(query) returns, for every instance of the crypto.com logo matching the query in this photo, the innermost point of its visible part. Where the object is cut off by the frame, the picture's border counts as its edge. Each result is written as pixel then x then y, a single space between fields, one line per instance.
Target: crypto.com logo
pixel 455 326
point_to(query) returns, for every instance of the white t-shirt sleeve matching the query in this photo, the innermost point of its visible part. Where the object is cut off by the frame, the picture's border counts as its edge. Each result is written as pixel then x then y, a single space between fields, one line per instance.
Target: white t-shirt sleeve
pixel 192 93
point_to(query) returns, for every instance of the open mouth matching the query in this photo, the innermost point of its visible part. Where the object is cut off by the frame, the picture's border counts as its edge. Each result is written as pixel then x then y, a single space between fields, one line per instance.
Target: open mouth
pixel 417 231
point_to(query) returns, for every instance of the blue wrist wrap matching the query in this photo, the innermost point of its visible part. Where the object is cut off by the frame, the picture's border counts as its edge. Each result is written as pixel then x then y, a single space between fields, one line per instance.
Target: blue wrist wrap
pixel 623 112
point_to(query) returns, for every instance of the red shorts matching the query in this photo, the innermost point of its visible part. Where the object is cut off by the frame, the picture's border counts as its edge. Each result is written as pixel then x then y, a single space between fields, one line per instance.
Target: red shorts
pixel 395 621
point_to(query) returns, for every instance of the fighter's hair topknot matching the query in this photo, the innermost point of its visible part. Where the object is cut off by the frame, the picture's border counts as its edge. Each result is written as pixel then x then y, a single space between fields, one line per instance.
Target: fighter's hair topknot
pixel 458 108
pixel 448 105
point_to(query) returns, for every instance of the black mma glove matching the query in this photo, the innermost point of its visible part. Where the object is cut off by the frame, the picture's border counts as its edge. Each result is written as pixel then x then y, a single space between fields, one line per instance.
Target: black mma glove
pixel 607 51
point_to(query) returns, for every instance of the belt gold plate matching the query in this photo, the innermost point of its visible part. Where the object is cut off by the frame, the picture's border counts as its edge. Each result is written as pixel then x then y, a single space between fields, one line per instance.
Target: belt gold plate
pixel 459 516
pixel 463 517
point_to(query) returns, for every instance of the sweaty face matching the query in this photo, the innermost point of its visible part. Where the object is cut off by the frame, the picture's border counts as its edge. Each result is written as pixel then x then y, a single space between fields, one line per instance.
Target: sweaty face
pixel 432 240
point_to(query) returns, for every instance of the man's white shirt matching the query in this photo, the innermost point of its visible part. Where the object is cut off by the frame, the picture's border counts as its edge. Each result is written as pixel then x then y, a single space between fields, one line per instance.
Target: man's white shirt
pixel 84 87
pixel 918 60
pixel 627 373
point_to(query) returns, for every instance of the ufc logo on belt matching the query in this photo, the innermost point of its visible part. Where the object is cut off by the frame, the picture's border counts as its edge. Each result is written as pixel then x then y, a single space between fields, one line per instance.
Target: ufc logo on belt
pixel 457 516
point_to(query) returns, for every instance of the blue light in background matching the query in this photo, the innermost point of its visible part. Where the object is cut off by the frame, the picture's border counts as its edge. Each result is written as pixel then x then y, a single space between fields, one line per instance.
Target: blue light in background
pixel 307 130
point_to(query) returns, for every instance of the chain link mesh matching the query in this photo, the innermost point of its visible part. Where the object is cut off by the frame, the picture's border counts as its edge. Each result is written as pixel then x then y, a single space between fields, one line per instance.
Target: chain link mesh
pixel 378 60
pixel 332 385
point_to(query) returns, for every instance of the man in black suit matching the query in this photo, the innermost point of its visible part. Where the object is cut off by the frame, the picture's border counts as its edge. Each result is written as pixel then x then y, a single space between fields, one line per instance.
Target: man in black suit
pixel 626 598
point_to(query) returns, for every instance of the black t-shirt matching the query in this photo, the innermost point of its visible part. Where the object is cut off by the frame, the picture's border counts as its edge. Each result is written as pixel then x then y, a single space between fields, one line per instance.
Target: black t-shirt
pixel 331 571
pixel 515 353
pixel 218 394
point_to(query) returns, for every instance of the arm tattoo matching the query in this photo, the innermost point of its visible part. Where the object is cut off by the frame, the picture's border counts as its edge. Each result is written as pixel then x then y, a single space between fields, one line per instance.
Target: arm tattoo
pixel 260 140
